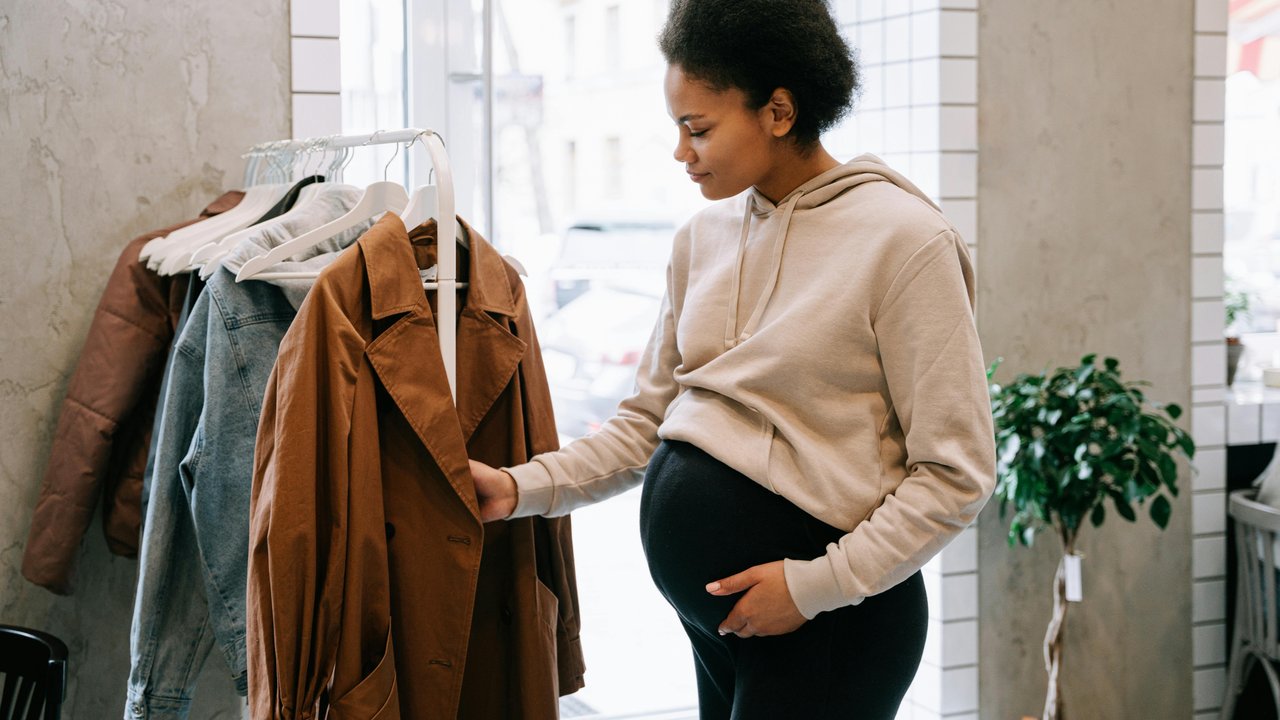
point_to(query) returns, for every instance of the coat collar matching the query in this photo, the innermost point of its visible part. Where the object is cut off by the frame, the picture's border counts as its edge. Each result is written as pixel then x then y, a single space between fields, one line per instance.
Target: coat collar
pixel 406 355
pixel 394 286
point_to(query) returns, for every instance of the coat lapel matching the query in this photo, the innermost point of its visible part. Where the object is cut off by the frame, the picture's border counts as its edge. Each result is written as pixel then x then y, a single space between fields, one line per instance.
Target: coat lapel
pixel 406 356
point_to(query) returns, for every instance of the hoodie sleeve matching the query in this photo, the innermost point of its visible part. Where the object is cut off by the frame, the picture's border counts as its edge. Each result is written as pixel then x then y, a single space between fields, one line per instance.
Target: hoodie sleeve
pixel 933 366
pixel 613 459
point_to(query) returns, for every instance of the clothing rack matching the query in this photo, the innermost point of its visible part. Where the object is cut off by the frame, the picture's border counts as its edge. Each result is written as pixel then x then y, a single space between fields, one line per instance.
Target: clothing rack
pixel 284 152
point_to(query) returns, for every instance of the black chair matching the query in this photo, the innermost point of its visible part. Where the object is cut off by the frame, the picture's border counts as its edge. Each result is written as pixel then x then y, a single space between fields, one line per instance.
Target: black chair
pixel 34 666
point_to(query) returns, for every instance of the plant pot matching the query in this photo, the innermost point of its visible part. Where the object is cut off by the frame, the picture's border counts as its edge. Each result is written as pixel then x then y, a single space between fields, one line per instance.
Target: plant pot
pixel 1234 350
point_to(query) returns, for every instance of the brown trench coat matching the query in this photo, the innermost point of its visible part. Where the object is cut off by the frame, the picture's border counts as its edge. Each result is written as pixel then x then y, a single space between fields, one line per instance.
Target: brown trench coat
pixel 104 429
pixel 374 590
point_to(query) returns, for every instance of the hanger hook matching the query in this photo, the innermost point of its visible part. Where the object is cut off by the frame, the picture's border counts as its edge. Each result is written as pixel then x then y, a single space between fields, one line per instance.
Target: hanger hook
pixel 393 159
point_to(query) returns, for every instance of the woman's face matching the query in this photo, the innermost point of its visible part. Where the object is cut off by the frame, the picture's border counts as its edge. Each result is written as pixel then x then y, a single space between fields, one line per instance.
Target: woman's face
pixel 725 146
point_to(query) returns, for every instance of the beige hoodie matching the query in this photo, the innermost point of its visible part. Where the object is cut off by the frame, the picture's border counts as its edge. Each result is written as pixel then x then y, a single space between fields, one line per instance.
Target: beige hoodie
pixel 825 348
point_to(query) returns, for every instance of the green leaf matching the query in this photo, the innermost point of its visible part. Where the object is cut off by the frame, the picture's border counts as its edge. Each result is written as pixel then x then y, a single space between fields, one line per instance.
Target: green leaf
pixel 1099 513
pixel 1174 411
pixel 1123 507
pixel 1112 364
pixel 1160 511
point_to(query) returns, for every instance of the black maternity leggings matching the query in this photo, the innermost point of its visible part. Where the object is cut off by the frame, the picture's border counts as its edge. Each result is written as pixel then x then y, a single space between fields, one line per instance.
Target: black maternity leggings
pixel 702 521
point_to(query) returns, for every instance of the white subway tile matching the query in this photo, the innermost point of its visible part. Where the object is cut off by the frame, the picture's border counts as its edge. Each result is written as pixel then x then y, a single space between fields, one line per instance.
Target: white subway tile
pixel 958 33
pixel 958 80
pixel 871 42
pixel 1211 16
pixel 897 39
pixel 871 131
pixel 1211 469
pixel 897 85
pixel 317 18
pixel 926 168
pixel 842 140
pixel 1206 232
pixel 959 690
pixel 1208 143
pixel 926 689
pixel 1209 364
pixel 1244 422
pixel 1206 276
pixel 870 10
pixel 1209 395
pixel 959 127
pixel 1210 100
pixel 847 11
pixel 1206 189
pixel 926 128
pixel 1209 425
pixel 963 214
pixel 1208 600
pixel 959 174
pixel 894 8
pixel 961 554
pixel 1209 513
pixel 959 4
pixel 1209 644
pixel 1211 56
pixel 316 65
pixel 952 597
pixel 926 34
pixel 317 115
pixel 925 88
pixel 897 130
pixel 1270 422
pixel 873 88
pixel 1208 687
pixel 1207 319
pixel 960 643
pixel 922 5
pixel 1208 557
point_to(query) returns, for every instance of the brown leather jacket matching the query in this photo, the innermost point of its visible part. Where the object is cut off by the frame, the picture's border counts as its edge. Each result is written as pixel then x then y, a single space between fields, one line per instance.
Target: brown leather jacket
pixel 104 429
pixel 368 596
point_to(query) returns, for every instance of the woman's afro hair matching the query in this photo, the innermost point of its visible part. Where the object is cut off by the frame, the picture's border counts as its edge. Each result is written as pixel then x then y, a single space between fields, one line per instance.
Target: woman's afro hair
pixel 758 46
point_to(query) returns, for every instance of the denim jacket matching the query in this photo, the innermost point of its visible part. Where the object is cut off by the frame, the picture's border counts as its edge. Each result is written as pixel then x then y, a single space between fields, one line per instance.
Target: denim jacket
pixel 194 553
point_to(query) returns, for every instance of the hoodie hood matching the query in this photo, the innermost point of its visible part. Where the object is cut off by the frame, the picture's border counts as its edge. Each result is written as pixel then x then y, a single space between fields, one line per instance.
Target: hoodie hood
pixel 814 193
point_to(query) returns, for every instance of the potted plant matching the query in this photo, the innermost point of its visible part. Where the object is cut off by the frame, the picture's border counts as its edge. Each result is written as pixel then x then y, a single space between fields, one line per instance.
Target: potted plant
pixel 1237 303
pixel 1068 445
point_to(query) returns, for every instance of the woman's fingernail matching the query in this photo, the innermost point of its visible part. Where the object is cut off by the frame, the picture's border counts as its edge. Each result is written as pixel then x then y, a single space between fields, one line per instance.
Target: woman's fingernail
pixel 722 632
pixel 713 587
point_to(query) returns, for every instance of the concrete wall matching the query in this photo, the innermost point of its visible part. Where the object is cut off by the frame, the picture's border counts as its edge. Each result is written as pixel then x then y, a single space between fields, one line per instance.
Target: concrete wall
pixel 1085 208
pixel 115 118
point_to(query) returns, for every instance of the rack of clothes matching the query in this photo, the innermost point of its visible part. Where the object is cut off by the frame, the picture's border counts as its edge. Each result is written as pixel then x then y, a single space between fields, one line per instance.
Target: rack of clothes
pixel 304 505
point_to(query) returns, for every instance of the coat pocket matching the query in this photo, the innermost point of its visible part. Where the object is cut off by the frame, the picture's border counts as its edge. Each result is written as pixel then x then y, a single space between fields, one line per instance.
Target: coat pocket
pixel 375 697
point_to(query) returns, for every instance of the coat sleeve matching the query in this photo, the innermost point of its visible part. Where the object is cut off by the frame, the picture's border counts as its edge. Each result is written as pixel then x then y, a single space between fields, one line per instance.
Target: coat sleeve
pixel 122 359
pixel 298 526
pixel 933 367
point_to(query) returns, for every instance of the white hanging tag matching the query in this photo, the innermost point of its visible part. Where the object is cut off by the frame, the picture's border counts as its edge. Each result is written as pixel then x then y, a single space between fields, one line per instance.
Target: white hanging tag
pixel 428 275
pixel 1075 593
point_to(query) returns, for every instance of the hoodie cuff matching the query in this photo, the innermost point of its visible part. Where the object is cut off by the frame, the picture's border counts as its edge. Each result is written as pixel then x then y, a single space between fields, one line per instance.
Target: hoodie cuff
pixel 535 490
pixel 814 587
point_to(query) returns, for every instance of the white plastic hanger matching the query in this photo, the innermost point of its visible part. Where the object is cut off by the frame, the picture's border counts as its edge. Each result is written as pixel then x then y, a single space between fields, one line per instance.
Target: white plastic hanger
pixel 256 201
pixel 380 197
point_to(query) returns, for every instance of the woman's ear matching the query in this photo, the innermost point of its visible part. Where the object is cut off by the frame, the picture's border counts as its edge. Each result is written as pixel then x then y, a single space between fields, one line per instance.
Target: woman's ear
pixel 779 114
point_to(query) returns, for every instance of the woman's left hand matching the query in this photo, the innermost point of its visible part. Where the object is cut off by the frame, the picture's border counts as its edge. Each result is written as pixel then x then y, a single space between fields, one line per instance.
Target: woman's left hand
pixel 765 609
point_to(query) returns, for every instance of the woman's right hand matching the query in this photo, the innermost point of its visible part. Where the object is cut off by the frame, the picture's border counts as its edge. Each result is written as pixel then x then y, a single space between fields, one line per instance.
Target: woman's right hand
pixel 496 491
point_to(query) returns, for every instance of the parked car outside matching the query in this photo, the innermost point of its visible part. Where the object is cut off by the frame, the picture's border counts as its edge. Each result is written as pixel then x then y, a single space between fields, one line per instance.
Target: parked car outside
pixel 619 252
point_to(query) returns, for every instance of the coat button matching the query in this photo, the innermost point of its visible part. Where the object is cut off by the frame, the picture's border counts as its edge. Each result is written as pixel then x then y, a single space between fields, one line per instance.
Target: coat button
pixel 391 531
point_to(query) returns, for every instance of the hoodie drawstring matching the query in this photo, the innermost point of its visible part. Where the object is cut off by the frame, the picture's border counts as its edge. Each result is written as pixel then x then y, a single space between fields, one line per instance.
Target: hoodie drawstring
pixel 732 337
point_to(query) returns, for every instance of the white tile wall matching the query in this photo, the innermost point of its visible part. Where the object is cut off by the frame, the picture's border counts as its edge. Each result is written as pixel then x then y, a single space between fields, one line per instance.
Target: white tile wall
pixel 897 85
pixel 1211 469
pixel 897 39
pixel 958 33
pixel 959 174
pixel 873 88
pixel 317 115
pixel 1208 600
pixel 925 82
pixel 1270 423
pixel 958 80
pixel 1208 513
pixel 1208 686
pixel 1207 320
pixel 959 5
pixel 315 18
pixel 926 169
pixel 1211 55
pixel 926 124
pixel 1206 277
pixel 1206 232
pixel 1206 189
pixel 925 34
pixel 1208 141
pixel 961 555
pixel 1244 422
pixel 1208 395
pixel 897 130
pixel 964 215
pixel 1209 424
pixel 316 66
pixel 870 10
pixel 959 690
pixel 1211 16
pixel 894 8
pixel 1210 100
pixel 959 127
pixel 1209 557
pixel 871 41
pixel 952 597
pixel 1209 644
pixel 1209 364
